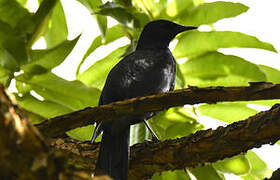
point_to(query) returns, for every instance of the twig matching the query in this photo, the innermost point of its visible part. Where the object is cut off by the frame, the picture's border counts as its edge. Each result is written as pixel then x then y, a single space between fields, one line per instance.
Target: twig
pixel 256 91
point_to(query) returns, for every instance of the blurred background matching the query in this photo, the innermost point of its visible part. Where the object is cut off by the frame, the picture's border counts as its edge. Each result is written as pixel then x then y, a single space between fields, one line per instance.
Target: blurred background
pixel 260 21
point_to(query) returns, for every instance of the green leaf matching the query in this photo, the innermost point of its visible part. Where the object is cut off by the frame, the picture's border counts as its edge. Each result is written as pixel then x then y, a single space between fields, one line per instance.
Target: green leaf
pixel 40 20
pixel 265 102
pixel 72 94
pixel 22 2
pixel 92 6
pixel 46 109
pixel 174 123
pixel 272 75
pixel 124 15
pixel 138 133
pixel 206 172
pixel 12 48
pixel 124 2
pixel 97 73
pixel 174 175
pixel 207 13
pixel 198 2
pixel 12 13
pixel 102 24
pixel 7 61
pixel 82 134
pixel 195 43
pixel 49 58
pixel 260 102
pixel 155 9
pixel 5 76
pixel 178 130
pixel 23 88
pixel 227 112
pixel 238 165
pixel 217 69
pixel 177 7
pixel 57 27
pixel 112 34
pixel 34 118
pixel 259 169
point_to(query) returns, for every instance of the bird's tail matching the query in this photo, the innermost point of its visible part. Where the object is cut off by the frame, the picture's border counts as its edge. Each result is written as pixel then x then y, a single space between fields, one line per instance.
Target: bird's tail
pixel 113 155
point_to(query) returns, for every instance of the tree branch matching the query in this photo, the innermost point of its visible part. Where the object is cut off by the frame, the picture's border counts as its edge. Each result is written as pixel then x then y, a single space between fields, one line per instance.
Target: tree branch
pixel 275 175
pixel 24 154
pixel 256 91
pixel 199 148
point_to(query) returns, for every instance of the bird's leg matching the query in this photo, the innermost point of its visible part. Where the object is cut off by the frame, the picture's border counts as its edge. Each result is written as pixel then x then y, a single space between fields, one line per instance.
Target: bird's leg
pixel 154 136
pixel 96 132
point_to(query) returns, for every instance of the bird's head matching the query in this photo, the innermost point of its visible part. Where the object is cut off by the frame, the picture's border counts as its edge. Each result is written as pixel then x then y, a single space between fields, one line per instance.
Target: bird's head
pixel 158 34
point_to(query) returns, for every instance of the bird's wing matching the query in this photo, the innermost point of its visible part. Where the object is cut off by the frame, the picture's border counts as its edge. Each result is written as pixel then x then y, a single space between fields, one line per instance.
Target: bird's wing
pixel 139 74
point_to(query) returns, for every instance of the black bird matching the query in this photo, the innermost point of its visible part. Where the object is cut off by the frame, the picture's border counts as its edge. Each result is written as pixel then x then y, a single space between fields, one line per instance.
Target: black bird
pixel 150 69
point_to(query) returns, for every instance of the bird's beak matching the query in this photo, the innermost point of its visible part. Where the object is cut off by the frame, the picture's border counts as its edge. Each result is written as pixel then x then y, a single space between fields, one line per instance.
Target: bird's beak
pixel 187 28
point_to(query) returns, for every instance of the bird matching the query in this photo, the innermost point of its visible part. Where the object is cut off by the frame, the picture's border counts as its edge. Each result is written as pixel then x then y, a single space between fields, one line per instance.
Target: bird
pixel 150 69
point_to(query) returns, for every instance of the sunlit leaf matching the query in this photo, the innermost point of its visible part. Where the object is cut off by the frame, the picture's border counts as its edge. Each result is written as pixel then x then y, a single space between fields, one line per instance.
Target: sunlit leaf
pixel 227 112
pixel 72 94
pixel 265 102
pixel 23 88
pixel 102 24
pixel 195 43
pixel 178 130
pixel 97 73
pixel 206 172
pixel 57 27
pixel 238 165
pixel 174 175
pixel 112 34
pixel 198 2
pixel 22 2
pixel 40 21
pixel 155 9
pixel 207 13
pixel 46 109
pixel 138 133
pixel 177 7
pixel 217 69
pixel 272 75
pixel 124 15
pixel 174 123
pixel 82 134
pixel 49 58
pixel 92 6
pixel 259 169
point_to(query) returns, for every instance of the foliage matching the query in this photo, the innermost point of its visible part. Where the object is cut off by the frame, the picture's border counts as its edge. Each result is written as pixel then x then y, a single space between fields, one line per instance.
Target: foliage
pixel 32 69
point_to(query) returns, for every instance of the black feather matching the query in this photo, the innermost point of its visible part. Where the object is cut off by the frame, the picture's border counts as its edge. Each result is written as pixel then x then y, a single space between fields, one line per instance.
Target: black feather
pixel 149 70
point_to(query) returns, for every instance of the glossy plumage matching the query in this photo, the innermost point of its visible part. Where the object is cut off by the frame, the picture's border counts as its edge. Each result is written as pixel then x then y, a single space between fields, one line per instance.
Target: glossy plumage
pixel 150 69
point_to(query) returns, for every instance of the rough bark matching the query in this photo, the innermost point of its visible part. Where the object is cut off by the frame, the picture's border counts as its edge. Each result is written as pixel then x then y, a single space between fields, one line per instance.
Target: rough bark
pixel 256 91
pixel 27 156
pixel 199 148
pixel 24 153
